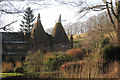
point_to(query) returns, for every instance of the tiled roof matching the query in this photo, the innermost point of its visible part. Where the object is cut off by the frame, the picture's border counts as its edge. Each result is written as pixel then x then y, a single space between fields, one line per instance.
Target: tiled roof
pixel 12 36
pixel 15 42
pixel 17 52
pixel 59 34
pixel 39 33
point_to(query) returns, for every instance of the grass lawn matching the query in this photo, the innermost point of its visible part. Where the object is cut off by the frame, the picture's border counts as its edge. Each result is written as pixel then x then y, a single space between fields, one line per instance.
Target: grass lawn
pixel 76 41
pixel 3 75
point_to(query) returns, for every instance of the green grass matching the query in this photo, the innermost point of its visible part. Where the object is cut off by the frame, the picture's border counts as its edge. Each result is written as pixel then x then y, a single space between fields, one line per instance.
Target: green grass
pixel 76 41
pixel 3 75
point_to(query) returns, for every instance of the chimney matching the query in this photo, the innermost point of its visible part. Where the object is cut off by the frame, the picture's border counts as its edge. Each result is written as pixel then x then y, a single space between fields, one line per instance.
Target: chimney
pixel 71 38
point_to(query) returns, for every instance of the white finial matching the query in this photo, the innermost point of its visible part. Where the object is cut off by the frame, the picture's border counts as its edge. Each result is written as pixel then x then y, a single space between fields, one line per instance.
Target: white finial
pixel 59 20
pixel 38 18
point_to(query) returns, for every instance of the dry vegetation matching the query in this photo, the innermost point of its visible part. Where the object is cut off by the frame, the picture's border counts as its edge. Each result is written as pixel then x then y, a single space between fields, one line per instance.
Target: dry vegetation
pixel 7 67
pixel 75 53
pixel 84 61
pixel 90 67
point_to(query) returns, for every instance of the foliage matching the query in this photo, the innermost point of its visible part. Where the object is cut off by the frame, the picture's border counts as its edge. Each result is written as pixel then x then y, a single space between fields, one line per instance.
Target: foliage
pixel 76 41
pixel 96 31
pixel 75 53
pixel 27 23
pixel 54 60
pixel 81 69
pixel 19 67
pixel 19 70
pixel 105 42
pixel 7 67
pixel 111 53
pixel 34 61
pixel 18 64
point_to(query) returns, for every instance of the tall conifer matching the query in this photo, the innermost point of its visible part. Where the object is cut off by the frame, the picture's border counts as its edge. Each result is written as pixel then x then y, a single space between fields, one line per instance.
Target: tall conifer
pixel 27 22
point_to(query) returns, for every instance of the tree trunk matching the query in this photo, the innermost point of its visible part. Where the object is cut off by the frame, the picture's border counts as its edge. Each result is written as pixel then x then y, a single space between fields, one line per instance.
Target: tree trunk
pixel 118 32
pixel 118 22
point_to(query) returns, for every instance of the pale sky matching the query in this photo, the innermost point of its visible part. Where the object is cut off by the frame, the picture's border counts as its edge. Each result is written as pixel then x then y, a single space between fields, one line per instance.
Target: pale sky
pixel 48 15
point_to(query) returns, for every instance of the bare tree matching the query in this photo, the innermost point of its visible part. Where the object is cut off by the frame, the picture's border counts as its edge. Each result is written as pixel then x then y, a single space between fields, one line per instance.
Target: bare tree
pixel 7 7
pixel 75 28
pixel 10 8
pixel 69 29
pixel 111 11
pixel 6 27
pixel 99 28
pixel 116 15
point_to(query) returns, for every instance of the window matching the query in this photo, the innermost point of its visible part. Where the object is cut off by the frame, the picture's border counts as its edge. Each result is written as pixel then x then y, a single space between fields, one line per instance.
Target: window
pixel 20 47
pixel 9 47
pixel 65 46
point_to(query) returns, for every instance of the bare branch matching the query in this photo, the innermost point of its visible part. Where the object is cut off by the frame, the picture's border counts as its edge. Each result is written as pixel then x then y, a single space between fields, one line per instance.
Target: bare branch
pixel 102 7
pixel 71 3
pixel 11 12
pixel 4 27
pixel 113 11
pixel 12 6
pixel 84 14
pixel 17 11
pixel 109 14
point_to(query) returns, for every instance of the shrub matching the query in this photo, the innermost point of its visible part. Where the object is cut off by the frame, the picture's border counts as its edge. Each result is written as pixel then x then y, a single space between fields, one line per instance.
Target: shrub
pixel 105 42
pixel 81 69
pixel 34 61
pixel 7 67
pixel 18 64
pixel 54 60
pixel 19 70
pixel 75 53
pixel 111 53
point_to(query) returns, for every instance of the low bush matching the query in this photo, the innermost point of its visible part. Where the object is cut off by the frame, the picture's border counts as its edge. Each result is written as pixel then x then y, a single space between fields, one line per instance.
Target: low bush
pixel 18 64
pixel 75 53
pixel 19 70
pixel 54 60
pixel 34 61
pixel 111 53
pixel 105 42
pixel 81 69
pixel 7 67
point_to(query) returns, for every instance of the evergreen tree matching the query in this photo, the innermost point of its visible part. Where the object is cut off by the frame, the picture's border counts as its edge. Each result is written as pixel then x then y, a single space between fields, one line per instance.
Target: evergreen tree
pixel 27 22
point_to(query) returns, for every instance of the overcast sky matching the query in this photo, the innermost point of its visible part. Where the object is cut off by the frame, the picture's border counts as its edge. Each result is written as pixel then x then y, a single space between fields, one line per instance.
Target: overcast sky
pixel 48 14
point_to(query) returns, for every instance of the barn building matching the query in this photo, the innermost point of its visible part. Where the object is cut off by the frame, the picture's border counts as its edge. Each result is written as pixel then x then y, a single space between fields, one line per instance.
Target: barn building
pixel 57 41
pixel 18 43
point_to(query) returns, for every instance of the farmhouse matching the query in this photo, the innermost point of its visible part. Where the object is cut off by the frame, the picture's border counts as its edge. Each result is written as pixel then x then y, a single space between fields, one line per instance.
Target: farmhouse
pixel 20 43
